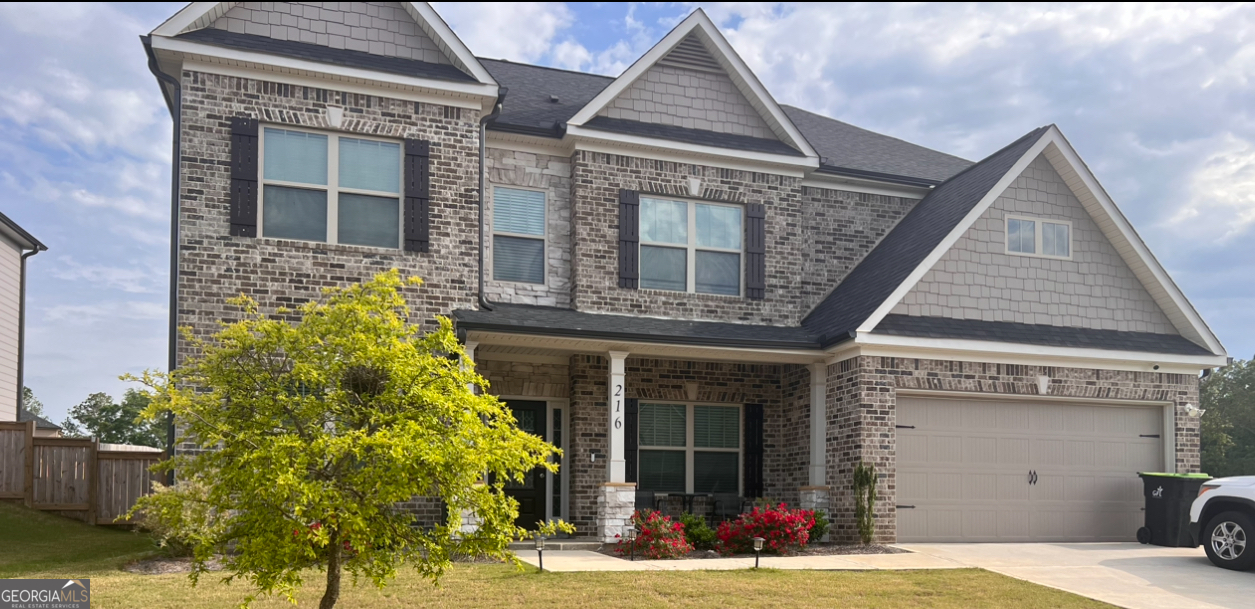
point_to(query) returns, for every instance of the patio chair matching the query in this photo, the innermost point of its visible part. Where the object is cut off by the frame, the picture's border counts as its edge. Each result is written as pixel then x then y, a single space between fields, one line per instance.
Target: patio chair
pixel 646 501
pixel 725 506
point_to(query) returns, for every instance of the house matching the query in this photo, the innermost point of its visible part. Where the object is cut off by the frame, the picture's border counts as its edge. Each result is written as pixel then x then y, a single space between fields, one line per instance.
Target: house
pixel 16 245
pixel 688 287
pixel 43 427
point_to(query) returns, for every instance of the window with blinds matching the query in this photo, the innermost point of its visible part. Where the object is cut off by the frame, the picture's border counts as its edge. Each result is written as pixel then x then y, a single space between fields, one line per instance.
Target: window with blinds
pixel 330 188
pixel 691 247
pixel 694 448
pixel 518 240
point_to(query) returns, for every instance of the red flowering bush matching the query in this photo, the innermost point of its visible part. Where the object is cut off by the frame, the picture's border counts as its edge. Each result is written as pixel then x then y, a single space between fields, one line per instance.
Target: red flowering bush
pixel 782 530
pixel 657 537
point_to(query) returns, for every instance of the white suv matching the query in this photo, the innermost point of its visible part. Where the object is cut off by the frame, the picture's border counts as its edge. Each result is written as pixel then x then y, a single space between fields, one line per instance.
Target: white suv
pixel 1222 519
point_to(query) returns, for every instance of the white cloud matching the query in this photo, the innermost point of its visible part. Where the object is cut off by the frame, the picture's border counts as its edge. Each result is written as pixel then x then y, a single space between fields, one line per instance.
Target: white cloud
pixel 1222 202
pixel 136 277
pixel 519 31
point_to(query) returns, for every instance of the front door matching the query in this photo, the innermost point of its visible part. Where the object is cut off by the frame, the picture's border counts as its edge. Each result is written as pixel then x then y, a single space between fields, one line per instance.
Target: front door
pixel 531 492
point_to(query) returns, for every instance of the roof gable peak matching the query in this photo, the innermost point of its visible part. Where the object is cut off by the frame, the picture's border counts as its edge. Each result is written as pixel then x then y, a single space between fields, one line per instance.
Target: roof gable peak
pixel 697 44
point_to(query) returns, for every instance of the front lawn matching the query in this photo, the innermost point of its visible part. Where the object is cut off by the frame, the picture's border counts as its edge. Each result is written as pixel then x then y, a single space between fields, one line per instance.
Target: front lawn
pixel 42 545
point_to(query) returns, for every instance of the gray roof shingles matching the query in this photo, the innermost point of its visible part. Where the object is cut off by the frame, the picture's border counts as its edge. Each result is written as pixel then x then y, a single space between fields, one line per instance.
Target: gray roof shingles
pixel 323 54
pixel 550 321
pixel 1037 334
pixel 909 243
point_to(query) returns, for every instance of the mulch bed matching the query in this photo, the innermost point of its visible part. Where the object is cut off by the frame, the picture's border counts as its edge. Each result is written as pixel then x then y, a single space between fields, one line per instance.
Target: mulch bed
pixel 816 549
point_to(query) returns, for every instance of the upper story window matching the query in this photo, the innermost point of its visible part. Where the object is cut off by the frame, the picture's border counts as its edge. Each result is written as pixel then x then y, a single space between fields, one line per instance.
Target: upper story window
pixel 691 247
pixel 518 235
pixel 689 448
pixel 330 188
pixel 1037 237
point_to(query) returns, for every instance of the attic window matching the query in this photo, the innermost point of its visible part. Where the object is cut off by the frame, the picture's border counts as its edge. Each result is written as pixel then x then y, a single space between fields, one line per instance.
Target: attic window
pixel 1039 237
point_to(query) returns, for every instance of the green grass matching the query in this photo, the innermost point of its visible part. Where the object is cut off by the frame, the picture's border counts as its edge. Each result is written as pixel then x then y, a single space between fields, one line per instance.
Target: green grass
pixel 42 545
pixel 36 542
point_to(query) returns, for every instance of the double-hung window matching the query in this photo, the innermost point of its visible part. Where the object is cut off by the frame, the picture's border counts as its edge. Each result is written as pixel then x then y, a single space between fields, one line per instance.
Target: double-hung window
pixel 330 188
pixel 689 448
pixel 1037 237
pixel 518 235
pixel 691 247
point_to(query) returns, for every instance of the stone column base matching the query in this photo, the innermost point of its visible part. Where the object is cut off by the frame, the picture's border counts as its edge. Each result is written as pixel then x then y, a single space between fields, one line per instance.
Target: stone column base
pixel 817 498
pixel 615 505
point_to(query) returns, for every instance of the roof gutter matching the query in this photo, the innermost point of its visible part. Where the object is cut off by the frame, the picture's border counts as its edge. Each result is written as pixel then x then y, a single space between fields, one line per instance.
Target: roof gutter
pixel 877 176
pixel 484 304
pixel 174 99
pixel 21 327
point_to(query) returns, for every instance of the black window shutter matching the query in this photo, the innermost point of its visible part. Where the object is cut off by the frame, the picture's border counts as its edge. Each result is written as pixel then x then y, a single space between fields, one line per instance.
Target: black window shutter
pixel 753 465
pixel 243 176
pixel 417 195
pixel 631 439
pixel 755 251
pixel 629 238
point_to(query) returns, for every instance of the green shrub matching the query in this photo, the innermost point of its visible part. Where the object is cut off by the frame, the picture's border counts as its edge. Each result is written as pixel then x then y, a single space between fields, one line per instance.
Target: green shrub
pixel 697 532
pixel 820 528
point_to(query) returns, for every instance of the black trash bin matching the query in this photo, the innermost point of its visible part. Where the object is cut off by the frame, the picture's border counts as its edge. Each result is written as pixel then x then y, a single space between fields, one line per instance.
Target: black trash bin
pixel 1168 499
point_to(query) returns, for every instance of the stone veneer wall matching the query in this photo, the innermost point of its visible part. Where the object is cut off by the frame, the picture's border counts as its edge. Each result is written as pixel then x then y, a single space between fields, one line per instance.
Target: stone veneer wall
pixel 978 279
pixel 683 97
pixel 862 396
pixel 214 266
pixel 597 178
pixel 718 382
pixel 552 175
pixel 379 28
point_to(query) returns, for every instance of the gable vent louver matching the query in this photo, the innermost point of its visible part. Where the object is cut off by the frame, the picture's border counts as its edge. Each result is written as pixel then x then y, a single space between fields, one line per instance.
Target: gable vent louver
pixel 691 54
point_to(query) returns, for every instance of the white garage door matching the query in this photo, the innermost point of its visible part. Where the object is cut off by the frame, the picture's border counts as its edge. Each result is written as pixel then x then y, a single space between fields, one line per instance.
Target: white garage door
pixel 976 470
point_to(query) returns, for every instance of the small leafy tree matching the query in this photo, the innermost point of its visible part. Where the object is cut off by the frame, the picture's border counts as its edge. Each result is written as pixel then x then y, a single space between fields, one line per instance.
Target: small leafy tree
pixel 865 500
pixel 1227 427
pixel 314 430
pixel 119 423
pixel 30 403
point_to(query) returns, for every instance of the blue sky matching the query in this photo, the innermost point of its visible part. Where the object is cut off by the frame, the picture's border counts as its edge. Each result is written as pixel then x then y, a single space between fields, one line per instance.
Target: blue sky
pixel 1156 98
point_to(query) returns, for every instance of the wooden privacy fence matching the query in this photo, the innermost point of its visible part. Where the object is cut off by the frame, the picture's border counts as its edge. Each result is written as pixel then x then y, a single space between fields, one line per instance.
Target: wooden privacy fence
pixel 72 476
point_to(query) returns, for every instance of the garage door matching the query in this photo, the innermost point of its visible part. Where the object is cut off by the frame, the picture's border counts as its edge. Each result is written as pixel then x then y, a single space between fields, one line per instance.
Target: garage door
pixel 974 470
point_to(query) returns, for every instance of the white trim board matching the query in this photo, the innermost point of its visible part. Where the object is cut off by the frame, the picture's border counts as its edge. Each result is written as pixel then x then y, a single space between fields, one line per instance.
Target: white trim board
pixel 718 46
pixel 883 345
pixel 1104 213
pixel 870 187
pixel 263 63
pixel 635 145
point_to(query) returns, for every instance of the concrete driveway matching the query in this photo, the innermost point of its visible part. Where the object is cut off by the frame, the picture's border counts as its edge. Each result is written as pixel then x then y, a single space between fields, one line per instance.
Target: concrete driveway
pixel 1124 574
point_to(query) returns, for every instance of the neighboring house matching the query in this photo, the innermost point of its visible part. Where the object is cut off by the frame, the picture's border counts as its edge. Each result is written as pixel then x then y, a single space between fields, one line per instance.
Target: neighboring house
pixel 16 245
pixel 43 427
pixel 688 287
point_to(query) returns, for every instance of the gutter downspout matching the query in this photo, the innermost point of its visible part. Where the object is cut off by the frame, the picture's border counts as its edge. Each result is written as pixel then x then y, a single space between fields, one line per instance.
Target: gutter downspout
pixel 21 330
pixel 484 304
pixel 174 101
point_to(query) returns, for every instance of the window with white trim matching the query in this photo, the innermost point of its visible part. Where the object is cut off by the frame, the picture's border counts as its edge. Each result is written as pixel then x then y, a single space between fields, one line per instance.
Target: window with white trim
pixel 1038 237
pixel 518 235
pixel 689 448
pixel 691 247
pixel 330 188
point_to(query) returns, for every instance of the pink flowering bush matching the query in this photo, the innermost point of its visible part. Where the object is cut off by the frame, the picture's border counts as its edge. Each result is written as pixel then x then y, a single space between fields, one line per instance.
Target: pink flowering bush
pixel 657 537
pixel 782 529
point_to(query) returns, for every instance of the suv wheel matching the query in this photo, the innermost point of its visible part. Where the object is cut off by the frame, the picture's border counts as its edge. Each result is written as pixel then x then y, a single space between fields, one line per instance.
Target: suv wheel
pixel 1226 540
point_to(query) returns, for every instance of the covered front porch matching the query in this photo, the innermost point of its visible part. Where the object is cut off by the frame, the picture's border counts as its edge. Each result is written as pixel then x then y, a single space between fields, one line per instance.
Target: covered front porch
pixel 661 424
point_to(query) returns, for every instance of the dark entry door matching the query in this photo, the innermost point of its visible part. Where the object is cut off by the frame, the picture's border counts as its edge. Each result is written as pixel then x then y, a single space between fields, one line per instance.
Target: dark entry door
pixel 531 492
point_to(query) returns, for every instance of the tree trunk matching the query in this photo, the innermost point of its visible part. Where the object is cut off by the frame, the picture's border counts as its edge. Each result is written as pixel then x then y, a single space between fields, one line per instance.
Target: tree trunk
pixel 332 594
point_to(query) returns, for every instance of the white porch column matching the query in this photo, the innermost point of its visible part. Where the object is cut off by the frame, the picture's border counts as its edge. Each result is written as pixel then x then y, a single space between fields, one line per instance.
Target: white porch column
pixel 819 425
pixel 616 469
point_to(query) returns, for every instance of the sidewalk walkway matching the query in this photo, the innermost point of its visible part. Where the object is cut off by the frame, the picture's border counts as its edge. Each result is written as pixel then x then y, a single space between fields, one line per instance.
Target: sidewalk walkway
pixel 580 560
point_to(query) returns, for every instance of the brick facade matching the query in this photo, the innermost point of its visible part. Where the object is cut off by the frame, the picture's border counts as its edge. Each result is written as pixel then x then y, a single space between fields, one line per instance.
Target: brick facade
pixel 862 396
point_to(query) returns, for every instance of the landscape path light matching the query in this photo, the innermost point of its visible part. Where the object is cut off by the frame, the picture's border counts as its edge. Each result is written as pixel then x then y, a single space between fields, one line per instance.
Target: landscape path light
pixel 540 551
pixel 758 548
pixel 631 539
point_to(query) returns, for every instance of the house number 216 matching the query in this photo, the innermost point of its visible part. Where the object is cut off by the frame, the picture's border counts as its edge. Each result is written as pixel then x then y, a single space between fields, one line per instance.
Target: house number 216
pixel 618 406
